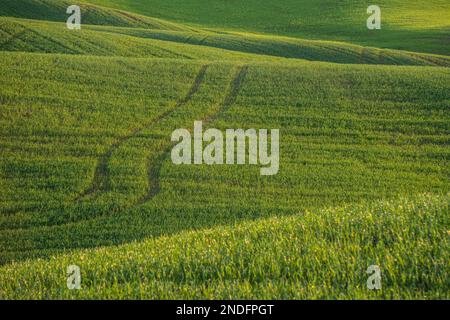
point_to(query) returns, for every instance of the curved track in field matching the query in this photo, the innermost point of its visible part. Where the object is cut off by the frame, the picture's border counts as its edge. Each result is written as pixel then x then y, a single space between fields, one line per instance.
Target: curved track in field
pixel 155 163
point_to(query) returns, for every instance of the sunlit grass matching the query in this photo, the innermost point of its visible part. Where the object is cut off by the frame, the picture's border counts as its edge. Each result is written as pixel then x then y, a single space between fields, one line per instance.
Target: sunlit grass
pixel 86 177
pixel 316 254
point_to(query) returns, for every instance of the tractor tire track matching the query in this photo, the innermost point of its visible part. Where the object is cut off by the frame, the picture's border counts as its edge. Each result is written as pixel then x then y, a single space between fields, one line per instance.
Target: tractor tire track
pixel 155 163
pixel 100 182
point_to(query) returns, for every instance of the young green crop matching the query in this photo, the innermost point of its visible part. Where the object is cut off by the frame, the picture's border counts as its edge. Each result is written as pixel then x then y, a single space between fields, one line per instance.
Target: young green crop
pixel 343 143
pixel 322 254
pixel 52 37
pixel 412 25
pixel 85 125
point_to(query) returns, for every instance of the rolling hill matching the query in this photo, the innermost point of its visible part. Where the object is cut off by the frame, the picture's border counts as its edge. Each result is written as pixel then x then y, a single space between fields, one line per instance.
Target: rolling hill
pixel 300 257
pixel 412 25
pixel 116 33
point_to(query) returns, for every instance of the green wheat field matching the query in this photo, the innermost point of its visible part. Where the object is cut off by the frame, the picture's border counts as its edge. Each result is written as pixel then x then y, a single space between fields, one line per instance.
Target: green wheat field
pixel 86 176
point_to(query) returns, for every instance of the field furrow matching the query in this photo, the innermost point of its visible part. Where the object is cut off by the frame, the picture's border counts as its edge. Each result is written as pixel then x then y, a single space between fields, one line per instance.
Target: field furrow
pixel 89 176
pixel 100 182
pixel 155 165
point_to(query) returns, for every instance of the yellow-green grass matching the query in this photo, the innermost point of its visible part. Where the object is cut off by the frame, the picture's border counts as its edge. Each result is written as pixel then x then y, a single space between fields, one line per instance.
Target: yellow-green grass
pixel 85 160
pixel 50 37
pixel 85 123
pixel 20 35
pixel 55 10
pixel 414 25
pixel 320 254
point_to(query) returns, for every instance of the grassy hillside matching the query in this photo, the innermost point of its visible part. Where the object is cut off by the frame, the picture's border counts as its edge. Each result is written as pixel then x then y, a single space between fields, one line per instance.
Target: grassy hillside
pixel 413 25
pixel 320 254
pixel 55 10
pixel 49 37
pixel 85 124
